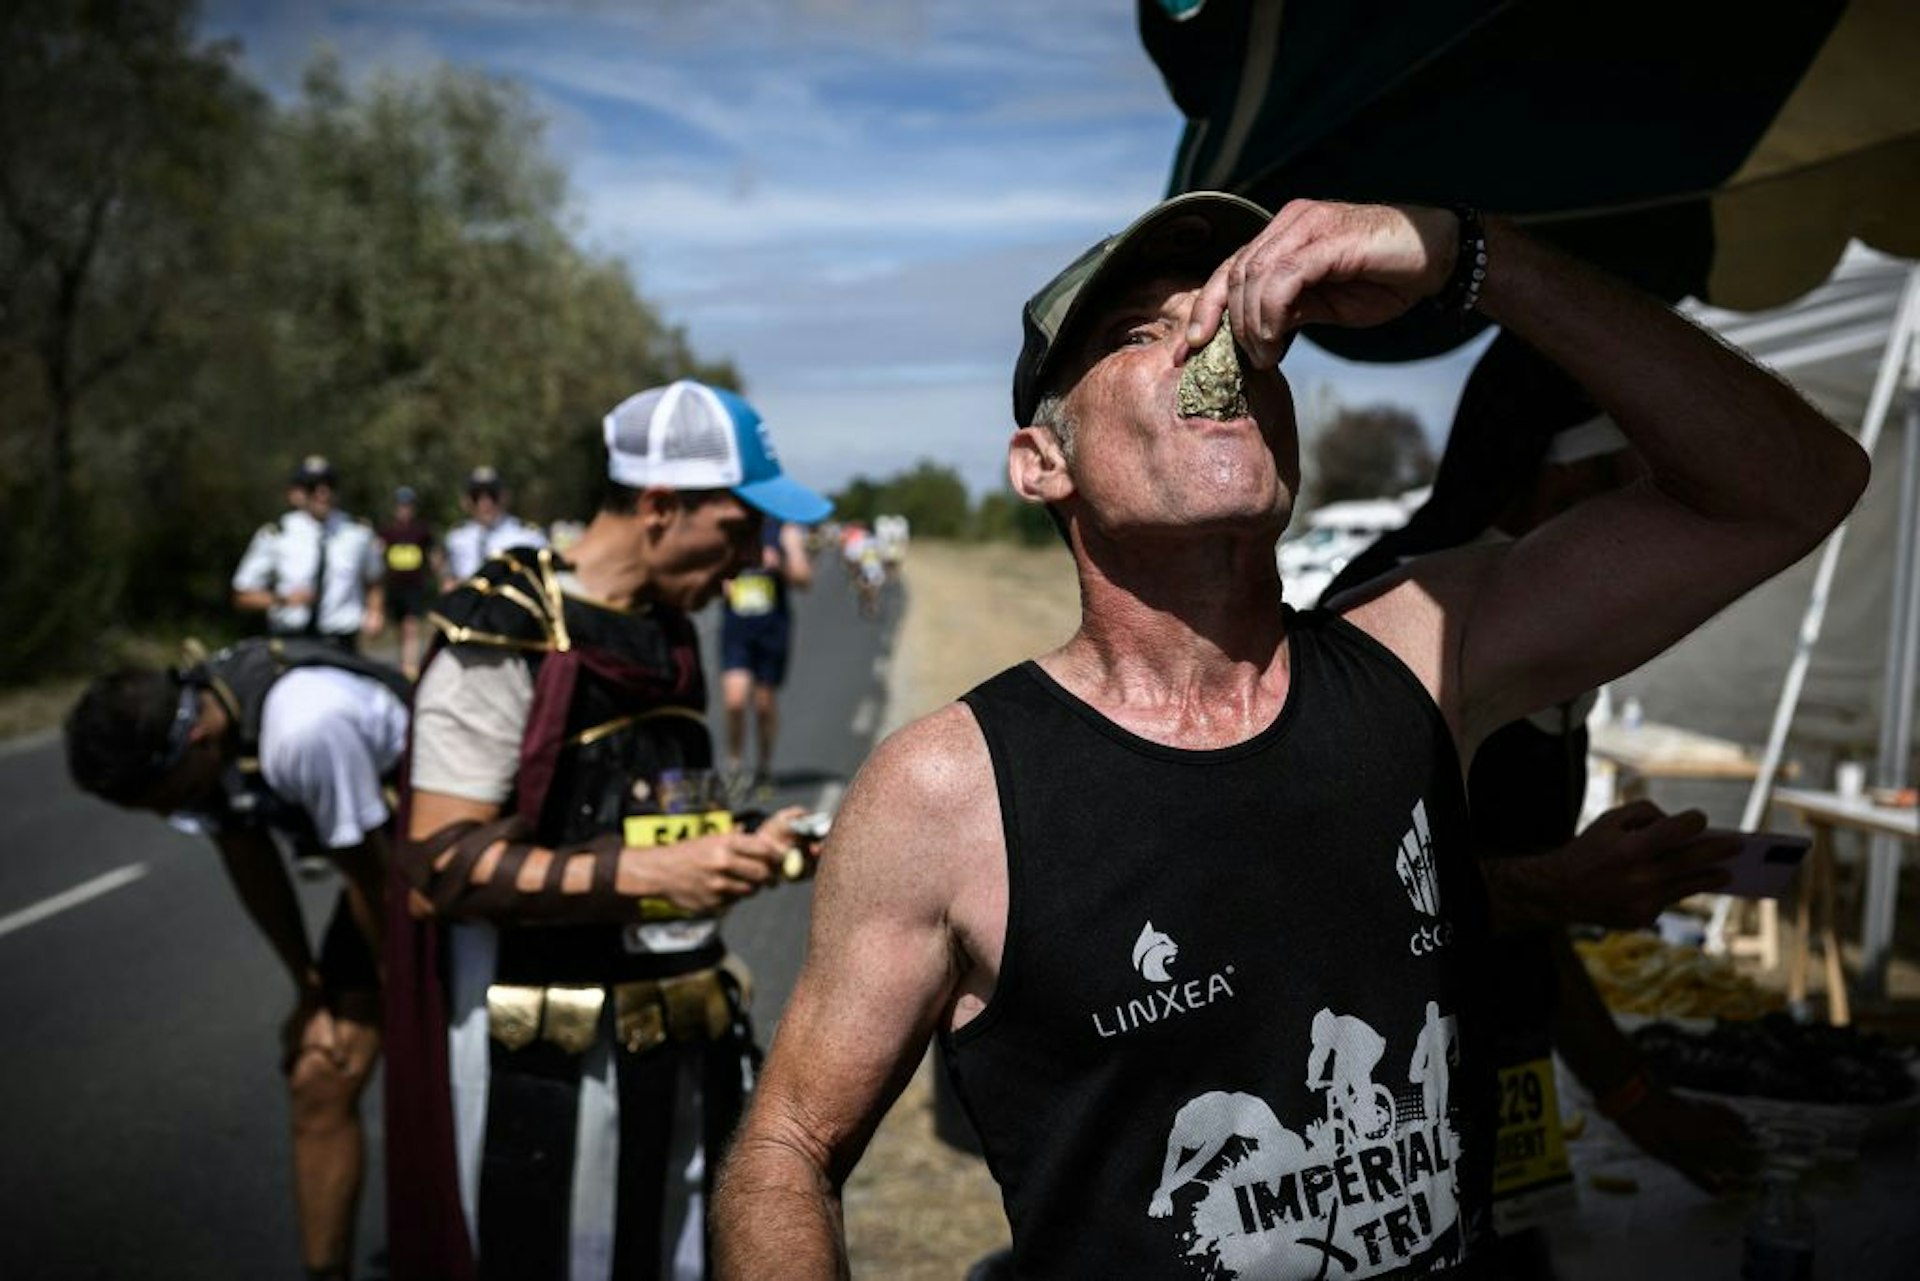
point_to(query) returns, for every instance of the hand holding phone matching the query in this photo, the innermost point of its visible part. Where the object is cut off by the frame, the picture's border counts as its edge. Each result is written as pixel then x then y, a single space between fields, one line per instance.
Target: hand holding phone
pixel 809 830
pixel 812 827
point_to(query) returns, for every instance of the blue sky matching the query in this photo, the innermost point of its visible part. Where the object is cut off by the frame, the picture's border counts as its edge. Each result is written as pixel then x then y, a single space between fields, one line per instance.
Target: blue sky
pixel 849 198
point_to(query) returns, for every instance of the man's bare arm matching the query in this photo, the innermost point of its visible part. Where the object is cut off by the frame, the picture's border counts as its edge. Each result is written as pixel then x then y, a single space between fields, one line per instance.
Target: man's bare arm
pixel 363 868
pixel 1744 479
pixel 259 878
pixel 883 967
pixel 1745 476
pixel 793 550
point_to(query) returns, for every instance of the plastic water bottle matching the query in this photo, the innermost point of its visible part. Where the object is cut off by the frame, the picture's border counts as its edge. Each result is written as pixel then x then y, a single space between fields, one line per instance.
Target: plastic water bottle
pixel 1780 1234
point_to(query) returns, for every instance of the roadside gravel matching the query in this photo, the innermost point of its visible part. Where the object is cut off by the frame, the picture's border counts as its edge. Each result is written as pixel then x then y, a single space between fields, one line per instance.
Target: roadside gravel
pixel 916 1208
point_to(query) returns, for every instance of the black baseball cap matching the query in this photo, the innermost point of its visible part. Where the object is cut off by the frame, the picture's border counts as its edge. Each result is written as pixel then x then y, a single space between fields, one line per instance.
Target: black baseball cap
pixel 1198 230
pixel 313 470
pixel 483 480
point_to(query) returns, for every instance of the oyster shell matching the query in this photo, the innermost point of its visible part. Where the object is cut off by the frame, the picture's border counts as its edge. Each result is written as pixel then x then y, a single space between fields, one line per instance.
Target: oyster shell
pixel 1211 384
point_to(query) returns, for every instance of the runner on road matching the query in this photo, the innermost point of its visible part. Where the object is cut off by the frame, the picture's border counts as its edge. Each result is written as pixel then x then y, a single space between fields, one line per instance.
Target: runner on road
pixel 756 646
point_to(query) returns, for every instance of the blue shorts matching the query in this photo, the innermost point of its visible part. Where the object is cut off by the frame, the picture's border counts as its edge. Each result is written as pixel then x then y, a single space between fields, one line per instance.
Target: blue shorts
pixel 758 645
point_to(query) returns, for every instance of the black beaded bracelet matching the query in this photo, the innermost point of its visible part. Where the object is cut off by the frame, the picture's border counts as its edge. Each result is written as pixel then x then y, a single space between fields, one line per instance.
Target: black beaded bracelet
pixel 1461 294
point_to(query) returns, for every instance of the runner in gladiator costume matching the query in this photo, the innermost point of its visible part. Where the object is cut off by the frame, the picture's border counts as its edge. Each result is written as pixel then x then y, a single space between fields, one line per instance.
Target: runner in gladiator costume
pixel 571 1042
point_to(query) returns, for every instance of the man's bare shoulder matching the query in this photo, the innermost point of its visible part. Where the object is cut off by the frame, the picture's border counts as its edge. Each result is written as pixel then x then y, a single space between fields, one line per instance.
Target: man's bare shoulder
pixel 936 764
pixel 919 819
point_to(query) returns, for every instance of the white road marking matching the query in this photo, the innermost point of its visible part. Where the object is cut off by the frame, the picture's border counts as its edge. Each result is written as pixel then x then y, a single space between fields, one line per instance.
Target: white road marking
pixel 28 742
pixel 71 898
pixel 864 717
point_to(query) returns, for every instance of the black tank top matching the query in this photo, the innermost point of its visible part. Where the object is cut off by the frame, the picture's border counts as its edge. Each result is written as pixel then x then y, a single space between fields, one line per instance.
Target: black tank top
pixel 1236 1030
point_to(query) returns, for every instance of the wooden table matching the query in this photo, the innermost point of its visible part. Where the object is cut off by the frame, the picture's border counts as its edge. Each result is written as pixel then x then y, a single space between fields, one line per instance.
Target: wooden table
pixel 1649 750
pixel 1823 812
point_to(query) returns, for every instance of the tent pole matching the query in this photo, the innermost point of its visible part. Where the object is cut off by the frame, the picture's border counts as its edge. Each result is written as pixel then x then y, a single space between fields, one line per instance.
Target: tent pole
pixel 1906 318
pixel 1896 710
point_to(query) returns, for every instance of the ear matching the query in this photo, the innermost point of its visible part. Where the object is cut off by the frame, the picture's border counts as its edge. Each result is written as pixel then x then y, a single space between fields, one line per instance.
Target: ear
pixel 1036 468
pixel 656 507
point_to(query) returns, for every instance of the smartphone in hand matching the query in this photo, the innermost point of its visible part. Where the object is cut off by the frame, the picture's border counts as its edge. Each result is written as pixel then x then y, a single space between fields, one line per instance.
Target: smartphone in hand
pixel 810 830
pixel 1766 864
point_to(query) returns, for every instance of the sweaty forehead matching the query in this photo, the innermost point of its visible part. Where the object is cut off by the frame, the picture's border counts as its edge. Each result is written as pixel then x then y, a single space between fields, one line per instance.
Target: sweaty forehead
pixel 1149 289
pixel 1146 296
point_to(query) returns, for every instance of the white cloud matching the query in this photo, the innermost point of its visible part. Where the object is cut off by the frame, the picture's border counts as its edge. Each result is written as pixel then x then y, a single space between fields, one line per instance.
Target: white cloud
pixel 640 210
pixel 849 198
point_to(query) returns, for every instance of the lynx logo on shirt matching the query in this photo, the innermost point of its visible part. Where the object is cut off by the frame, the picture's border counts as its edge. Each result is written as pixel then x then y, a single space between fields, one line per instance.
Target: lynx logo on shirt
pixel 1154 957
pixel 1153 952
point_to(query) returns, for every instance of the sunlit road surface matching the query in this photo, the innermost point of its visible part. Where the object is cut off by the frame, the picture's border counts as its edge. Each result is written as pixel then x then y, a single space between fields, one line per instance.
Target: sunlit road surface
pixel 146 1118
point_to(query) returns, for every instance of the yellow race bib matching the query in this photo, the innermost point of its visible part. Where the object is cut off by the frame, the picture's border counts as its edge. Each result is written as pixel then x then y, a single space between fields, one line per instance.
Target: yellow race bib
pixel 751 595
pixel 403 558
pixel 645 830
pixel 1531 1173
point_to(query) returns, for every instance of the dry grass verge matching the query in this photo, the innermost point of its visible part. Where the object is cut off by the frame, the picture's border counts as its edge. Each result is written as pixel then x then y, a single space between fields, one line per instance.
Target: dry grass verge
pixel 916 1209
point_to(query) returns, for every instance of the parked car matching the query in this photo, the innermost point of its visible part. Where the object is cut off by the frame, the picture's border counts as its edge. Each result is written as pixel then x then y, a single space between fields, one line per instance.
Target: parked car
pixel 1331 536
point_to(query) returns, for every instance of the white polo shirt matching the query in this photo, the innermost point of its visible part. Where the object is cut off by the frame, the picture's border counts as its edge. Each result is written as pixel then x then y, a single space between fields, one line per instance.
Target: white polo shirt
pixel 471 544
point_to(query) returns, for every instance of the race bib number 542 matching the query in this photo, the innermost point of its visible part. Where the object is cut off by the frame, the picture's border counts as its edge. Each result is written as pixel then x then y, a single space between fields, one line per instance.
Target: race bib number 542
pixel 670 829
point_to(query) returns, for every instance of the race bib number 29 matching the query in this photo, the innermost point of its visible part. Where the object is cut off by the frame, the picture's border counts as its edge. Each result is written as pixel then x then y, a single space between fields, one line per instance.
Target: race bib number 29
pixel 1531 1174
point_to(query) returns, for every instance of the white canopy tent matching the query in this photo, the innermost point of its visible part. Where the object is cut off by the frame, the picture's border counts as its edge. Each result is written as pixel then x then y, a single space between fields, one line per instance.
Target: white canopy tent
pixel 1836 635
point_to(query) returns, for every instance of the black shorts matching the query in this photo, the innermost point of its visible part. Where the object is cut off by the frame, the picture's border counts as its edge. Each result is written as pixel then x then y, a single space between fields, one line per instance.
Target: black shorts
pixel 346 961
pixel 760 645
pixel 409 600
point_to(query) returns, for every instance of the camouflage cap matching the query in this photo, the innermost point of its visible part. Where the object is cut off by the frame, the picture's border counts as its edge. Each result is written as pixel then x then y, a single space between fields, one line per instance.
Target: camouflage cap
pixel 1198 229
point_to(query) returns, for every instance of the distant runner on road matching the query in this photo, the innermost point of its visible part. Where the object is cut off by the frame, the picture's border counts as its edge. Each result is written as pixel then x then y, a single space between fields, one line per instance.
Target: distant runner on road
pixel 756 646
pixel 315 572
pixel 412 559
pixel 892 532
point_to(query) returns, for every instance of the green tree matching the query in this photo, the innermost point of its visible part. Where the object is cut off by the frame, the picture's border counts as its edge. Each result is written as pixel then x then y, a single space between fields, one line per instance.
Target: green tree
pixel 121 144
pixel 432 312
pixel 933 497
pixel 1371 452
pixel 1004 517
pixel 196 289
pixel 930 495
pixel 859 501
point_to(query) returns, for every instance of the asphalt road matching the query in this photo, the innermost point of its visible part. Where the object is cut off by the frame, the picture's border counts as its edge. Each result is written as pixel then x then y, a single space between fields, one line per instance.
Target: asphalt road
pixel 145 1135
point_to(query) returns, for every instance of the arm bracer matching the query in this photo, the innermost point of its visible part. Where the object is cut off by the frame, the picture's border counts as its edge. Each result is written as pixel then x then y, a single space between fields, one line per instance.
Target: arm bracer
pixel 486 871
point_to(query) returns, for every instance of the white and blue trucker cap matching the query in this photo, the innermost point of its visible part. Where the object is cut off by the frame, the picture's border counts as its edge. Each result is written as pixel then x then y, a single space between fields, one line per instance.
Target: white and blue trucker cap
pixel 688 435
